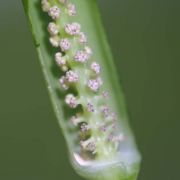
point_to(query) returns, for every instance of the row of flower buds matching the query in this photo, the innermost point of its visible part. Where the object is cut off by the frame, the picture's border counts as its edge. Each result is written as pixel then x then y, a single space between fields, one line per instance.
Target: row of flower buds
pixel 72 76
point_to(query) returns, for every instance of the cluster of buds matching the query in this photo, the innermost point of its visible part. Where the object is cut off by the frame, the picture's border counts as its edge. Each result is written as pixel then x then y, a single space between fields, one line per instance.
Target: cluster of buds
pixel 73 29
pixel 71 101
pixel 65 44
pixel 70 78
pixel 94 84
pixel 99 115
pixel 83 55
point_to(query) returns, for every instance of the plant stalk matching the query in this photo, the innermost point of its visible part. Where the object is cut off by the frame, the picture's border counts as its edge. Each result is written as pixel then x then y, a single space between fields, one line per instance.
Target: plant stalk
pixel 123 163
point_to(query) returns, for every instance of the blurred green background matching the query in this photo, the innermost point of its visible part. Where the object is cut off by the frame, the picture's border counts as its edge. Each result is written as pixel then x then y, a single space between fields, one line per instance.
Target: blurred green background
pixel 145 40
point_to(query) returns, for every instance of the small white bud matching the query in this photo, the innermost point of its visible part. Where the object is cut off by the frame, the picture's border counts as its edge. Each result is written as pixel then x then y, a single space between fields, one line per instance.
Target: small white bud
pixel 65 44
pixel 71 9
pixel 45 5
pixel 71 101
pixel 62 82
pixel 53 29
pixel 82 38
pixel 88 50
pixel 76 120
pixel 64 68
pixel 54 41
pixel 96 67
pixel 54 12
pixel 60 60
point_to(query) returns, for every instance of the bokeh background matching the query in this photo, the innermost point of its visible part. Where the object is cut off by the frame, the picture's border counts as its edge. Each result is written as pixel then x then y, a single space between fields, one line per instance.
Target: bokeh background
pixel 145 40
